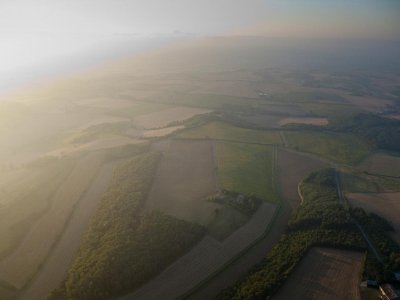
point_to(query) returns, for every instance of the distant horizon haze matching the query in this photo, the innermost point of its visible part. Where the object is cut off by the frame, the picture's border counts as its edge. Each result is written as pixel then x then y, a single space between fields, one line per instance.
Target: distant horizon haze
pixel 45 38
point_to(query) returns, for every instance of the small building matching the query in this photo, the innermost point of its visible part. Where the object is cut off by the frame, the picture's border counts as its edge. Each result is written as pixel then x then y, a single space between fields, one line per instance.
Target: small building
pixel 389 292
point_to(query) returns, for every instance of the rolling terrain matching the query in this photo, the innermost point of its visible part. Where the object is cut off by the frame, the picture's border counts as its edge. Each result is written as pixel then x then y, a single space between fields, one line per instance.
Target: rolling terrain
pixel 173 174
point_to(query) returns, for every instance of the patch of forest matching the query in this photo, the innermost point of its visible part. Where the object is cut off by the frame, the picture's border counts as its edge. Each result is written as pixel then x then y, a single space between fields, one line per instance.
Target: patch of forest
pixel 319 221
pixel 125 246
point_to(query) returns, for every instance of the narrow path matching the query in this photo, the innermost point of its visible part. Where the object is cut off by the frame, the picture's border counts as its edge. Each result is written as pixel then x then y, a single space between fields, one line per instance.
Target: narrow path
pixel 56 266
pixel 284 140
pixel 299 192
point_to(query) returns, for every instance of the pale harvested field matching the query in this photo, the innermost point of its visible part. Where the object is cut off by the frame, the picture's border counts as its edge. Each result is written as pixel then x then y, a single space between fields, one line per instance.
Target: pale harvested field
pixel 56 266
pixel 204 259
pixel 98 144
pixel 327 274
pixel 23 263
pixel 382 164
pixel 161 132
pixel 386 205
pixel 292 168
pixel 306 121
pixel 184 178
pixel 164 117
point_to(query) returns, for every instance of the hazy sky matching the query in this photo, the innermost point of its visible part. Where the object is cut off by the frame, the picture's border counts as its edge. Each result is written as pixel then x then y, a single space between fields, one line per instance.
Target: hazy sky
pixel 33 32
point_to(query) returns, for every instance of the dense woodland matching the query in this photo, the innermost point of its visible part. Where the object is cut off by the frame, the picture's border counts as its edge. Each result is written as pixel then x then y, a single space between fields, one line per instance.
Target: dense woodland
pixel 311 225
pixel 125 245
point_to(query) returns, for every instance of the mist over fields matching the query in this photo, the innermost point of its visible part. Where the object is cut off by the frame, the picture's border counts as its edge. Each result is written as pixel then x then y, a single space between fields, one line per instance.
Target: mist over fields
pixel 187 149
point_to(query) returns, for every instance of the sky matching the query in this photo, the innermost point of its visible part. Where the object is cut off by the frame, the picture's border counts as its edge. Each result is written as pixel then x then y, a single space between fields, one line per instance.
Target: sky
pixel 36 33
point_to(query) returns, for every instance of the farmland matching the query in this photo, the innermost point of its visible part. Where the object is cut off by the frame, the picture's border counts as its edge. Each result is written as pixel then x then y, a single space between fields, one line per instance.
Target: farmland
pixel 182 183
pixel 204 259
pixel 293 167
pixel 224 131
pixel 213 150
pixel 53 271
pixel 120 224
pixel 320 220
pixel 360 182
pixel 24 200
pixel 382 164
pixel 324 274
pixel 23 263
pixel 341 148
pixel 307 121
pixel 247 169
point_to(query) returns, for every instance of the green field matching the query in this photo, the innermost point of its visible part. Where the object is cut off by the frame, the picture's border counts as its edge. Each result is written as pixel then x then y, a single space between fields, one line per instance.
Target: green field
pixel 340 148
pixel 220 130
pixel 247 169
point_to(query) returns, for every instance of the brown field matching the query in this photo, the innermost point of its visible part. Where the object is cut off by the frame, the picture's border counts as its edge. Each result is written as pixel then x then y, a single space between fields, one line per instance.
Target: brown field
pixel 324 274
pixel 386 205
pixel 292 168
pixel 383 164
pixel 307 121
pixel 185 176
pixel 162 118
pixel 56 266
pixel 23 263
pixel 98 144
pixel 204 259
